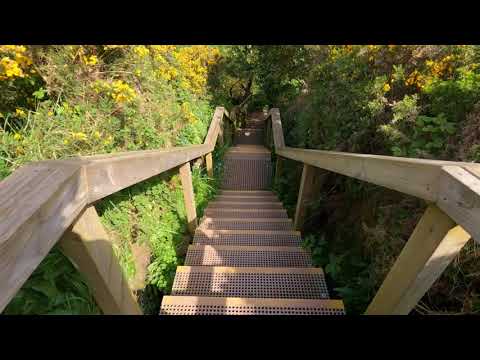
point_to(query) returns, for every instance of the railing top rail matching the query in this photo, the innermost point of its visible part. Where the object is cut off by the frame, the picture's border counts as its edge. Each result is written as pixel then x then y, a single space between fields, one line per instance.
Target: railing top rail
pixel 40 200
pixel 453 186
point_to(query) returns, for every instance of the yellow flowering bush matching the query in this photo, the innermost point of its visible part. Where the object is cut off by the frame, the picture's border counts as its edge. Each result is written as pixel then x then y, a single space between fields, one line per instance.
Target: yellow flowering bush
pixel 14 62
pixel 141 51
pixel 193 66
pixel 119 90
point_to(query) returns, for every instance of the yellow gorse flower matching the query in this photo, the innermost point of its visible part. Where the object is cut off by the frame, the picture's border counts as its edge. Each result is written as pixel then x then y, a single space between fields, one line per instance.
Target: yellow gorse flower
pixel 79 136
pixel 122 92
pixel 386 87
pixel 90 60
pixel 141 51
pixel 20 113
pixel 14 63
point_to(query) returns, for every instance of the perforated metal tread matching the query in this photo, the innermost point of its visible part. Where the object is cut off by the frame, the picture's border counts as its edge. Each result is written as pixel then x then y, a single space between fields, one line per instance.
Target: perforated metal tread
pixel 246 198
pixel 247 237
pixel 251 282
pixel 246 224
pixel 247 173
pixel 199 305
pixel 249 136
pixel 246 192
pixel 246 213
pixel 249 149
pixel 256 256
pixel 245 205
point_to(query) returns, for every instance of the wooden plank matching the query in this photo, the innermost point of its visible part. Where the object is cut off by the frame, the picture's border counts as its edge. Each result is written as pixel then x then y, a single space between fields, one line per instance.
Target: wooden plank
pixel 459 197
pixel 214 128
pixel 38 203
pixel 304 195
pixel 111 174
pixel 278 169
pixel 90 250
pixel 415 177
pixel 432 246
pixel 310 184
pixel 277 130
pixel 188 197
pixel 209 162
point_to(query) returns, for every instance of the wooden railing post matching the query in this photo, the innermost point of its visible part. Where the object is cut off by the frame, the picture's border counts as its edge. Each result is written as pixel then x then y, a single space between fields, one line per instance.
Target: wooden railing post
pixel 188 196
pixel 90 250
pixel 209 161
pixel 310 183
pixel 278 169
pixel 304 195
pixel 432 246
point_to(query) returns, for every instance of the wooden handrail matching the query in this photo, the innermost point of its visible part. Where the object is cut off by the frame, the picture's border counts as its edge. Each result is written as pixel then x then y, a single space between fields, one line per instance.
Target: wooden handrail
pixel 41 200
pixel 453 188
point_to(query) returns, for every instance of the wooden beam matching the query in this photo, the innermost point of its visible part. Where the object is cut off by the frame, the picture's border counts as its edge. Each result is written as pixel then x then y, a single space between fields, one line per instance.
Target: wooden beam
pixel 278 169
pixel 459 196
pixel 309 186
pixel 214 128
pixel 189 197
pixel 88 247
pixel 432 246
pixel 277 129
pixel 415 177
pixel 209 162
pixel 38 203
pixel 109 174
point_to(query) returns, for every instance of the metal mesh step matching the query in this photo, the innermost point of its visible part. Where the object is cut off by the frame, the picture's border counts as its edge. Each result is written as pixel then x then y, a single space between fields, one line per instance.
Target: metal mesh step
pixel 246 224
pixel 197 305
pixel 279 283
pixel 249 136
pixel 247 237
pixel 256 256
pixel 246 213
pixel 246 198
pixel 249 149
pixel 247 173
pixel 246 192
pixel 245 205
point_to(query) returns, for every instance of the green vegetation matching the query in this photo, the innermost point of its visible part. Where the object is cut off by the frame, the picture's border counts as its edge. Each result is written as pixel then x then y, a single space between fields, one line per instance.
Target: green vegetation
pixel 415 101
pixel 62 101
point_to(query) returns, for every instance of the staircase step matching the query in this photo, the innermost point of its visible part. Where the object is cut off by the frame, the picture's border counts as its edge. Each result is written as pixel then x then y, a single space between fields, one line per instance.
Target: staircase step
pixel 257 256
pixel 246 156
pixel 249 149
pixel 246 224
pixel 245 205
pixel 247 198
pixel 250 282
pixel 247 237
pixel 246 213
pixel 247 172
pixel 199 305
pixel 249 136
pixel 246 192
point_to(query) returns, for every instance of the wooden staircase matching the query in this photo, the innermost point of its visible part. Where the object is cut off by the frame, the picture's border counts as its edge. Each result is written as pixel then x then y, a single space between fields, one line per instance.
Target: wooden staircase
pixel 246 258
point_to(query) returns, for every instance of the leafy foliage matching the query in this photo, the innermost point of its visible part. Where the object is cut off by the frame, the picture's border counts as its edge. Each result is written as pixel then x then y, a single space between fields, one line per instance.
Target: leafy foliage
pixel 63 101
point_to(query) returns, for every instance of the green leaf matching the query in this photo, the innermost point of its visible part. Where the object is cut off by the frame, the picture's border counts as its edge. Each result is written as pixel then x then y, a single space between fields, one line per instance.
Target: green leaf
pixel 39 94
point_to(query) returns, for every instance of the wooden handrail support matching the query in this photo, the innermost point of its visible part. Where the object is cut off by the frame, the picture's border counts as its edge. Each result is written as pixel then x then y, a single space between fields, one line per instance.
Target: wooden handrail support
pixel 41 200
pixel 451 188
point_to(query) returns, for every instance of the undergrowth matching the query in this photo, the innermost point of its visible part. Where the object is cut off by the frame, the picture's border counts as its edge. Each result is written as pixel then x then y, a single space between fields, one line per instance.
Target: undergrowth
pixel 63 101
